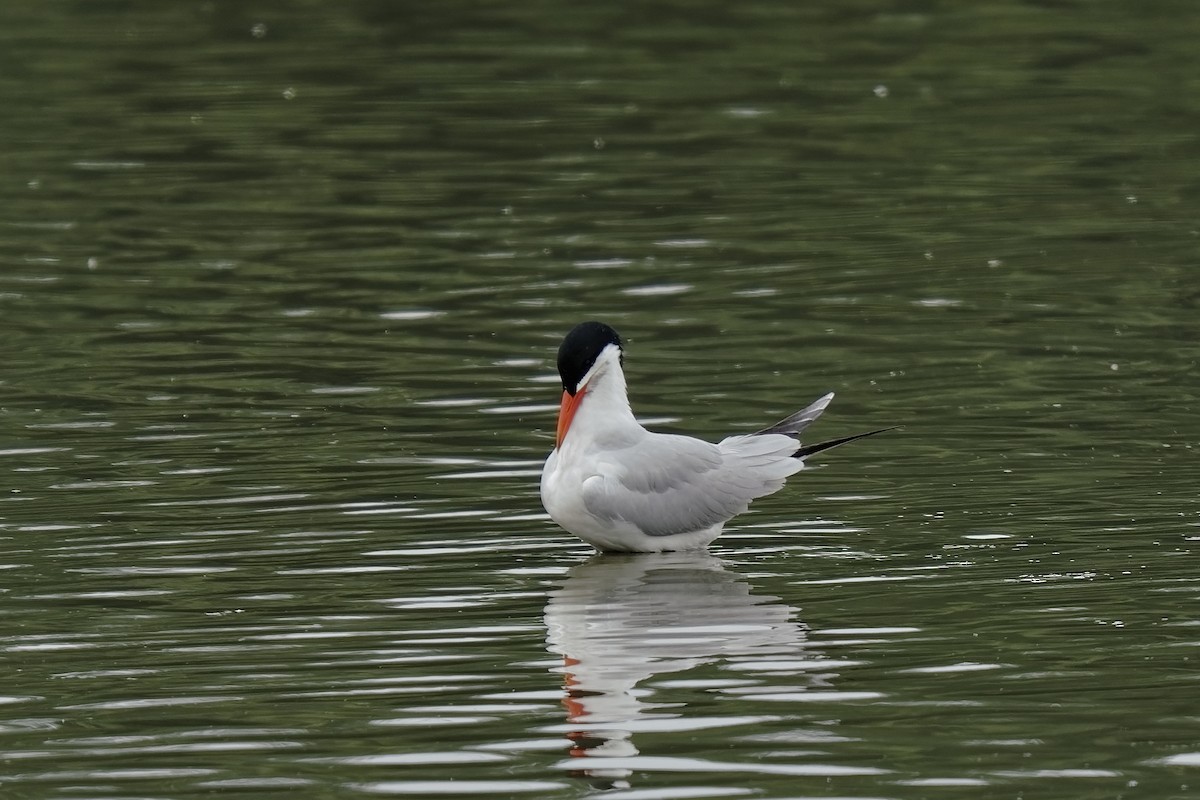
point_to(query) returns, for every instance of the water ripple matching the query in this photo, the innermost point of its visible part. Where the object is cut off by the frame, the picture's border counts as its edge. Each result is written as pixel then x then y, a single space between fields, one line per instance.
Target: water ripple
pixel 466 788
pixel 629 764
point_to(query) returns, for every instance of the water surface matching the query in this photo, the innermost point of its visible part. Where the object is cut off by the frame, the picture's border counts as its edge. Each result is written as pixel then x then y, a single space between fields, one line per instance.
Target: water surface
pixel 281 288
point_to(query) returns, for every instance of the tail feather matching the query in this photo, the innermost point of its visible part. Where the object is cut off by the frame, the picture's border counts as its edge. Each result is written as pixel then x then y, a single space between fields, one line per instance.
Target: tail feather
pixel 809 449
pixel 793 425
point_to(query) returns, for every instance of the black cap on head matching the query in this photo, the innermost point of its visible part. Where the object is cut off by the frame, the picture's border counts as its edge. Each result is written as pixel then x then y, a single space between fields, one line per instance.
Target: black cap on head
pixel 580 349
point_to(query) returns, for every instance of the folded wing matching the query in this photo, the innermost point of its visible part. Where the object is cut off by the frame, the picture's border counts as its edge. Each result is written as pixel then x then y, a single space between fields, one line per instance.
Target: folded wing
pixel 668 485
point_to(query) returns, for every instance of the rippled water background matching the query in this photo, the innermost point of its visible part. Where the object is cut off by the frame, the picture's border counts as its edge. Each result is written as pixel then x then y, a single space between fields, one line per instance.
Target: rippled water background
pixel 280 288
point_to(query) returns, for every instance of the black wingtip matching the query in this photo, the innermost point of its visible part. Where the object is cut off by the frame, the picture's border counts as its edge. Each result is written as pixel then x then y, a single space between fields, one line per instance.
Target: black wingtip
pixel 809 449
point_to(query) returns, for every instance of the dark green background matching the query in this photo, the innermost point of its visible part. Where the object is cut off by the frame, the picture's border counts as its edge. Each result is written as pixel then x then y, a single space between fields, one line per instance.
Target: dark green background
pixel 280 288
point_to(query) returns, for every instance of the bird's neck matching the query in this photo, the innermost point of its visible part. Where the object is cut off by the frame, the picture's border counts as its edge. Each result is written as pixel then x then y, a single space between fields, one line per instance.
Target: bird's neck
pixel 606 407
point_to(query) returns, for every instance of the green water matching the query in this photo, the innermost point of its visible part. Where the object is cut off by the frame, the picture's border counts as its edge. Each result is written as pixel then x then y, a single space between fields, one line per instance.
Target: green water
pixel 280 289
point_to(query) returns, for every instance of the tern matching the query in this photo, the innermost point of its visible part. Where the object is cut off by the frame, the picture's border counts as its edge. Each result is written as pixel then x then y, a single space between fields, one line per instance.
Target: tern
pixel 622 488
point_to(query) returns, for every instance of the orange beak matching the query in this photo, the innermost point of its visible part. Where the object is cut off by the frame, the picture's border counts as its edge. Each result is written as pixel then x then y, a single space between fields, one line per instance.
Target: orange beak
pixel 566 413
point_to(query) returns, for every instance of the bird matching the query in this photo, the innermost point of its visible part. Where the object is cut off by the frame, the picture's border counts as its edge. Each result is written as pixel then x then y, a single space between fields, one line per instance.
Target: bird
pixel 622 488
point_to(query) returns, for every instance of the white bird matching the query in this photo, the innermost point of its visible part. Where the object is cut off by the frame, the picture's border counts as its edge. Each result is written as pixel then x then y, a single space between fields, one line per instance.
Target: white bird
pixel 620 487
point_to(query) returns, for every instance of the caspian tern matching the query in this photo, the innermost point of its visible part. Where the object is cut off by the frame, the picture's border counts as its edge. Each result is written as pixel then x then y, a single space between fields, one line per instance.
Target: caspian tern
pixel 622 488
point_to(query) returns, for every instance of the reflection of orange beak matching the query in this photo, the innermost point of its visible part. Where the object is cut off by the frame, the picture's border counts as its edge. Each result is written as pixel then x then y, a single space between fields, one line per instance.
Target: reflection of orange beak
pixel 575 710
pixel 566 412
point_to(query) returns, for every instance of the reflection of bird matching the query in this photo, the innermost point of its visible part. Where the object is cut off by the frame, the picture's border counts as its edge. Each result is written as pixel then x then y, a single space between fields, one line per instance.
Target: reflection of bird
pixel 620 620
pixel 620 487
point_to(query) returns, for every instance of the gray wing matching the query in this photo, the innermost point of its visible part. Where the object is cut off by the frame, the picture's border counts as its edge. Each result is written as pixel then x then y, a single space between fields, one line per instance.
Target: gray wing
pixel 793 425
pixel 675 484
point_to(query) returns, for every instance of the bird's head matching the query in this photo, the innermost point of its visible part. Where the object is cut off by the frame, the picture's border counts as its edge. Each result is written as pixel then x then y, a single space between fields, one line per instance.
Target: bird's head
pixel 586 357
